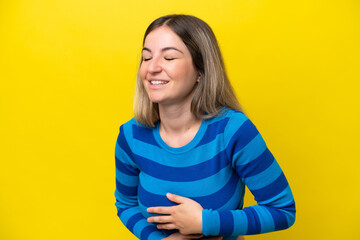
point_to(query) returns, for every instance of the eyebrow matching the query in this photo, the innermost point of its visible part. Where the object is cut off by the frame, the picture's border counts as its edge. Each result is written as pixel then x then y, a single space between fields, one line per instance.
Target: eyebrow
pixel 163 50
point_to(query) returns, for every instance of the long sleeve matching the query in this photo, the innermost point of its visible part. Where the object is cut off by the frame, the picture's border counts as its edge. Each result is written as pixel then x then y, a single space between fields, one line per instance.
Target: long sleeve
pixel 127 180
pixel 260 172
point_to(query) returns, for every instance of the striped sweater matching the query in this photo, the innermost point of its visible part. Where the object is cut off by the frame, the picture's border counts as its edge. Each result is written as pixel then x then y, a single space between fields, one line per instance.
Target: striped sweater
pixel 226 154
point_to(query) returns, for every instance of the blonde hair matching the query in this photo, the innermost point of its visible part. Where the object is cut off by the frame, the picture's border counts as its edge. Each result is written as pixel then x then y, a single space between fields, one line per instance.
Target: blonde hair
pixel 213 92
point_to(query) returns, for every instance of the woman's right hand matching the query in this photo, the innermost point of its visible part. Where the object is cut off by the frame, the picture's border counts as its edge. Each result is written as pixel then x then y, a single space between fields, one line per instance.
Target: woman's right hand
pixel 179 236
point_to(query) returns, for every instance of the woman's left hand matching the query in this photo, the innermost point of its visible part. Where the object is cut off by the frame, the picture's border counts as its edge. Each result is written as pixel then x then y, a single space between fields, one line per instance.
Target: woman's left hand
pixel 186 217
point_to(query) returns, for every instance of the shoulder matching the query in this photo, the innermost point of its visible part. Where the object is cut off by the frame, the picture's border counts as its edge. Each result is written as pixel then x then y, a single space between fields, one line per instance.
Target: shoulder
pixel 127 124
pixel 235 115
pixel 133 130
pixel 124 133
pixel 132 125
pixel 233 118
pixel 238 124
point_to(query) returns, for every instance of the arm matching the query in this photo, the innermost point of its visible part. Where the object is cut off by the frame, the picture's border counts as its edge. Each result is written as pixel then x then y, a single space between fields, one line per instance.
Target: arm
pixel 127 181
pixel 258 169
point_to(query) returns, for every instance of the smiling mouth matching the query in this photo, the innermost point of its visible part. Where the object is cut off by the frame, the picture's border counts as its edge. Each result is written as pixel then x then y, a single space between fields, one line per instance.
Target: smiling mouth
pixel 158 82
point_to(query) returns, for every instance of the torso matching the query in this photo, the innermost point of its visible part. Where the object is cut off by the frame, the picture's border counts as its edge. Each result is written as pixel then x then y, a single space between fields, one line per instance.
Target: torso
pixel 200 170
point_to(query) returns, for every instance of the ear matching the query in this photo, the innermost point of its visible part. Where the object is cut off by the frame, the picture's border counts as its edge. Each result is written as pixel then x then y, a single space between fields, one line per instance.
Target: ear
pixel 198 78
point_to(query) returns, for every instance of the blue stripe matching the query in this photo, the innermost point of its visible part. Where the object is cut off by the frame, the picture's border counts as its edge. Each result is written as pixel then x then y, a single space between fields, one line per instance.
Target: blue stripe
pixel 251 151
pixel 145 233
pixel 234 202
pixel 185 159
pixel 211 222
pixel 240 222
pixel 264 178
pixel 257 165
pixel 121 140
pixel 213 130
pixel 130 191
pixel 122 156
pixel 278 200
pixel 289 207
pixel 144 134
pixel 220 198
pixel 216 181
pixel 272 189
pixel 151 200
pixel 279 217
pixel 127 180
pixel 126 168
pixel 124 201
pixel 254 226
pixel 126 215
pixel 266 221
pixel 133 220
pixel 183 174
pixel 241 138
pixel 213 201
pixel 226 223
pixel 120 210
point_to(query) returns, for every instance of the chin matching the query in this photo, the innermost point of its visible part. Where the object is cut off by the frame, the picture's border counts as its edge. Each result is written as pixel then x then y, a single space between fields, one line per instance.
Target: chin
pixel 155 99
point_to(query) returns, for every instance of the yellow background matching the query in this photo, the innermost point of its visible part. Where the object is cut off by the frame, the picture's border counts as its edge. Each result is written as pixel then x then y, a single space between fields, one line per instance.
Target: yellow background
pixel 67 71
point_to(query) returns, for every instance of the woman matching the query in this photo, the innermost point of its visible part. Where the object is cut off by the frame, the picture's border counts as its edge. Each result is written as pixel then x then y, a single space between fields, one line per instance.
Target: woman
pixel 183 162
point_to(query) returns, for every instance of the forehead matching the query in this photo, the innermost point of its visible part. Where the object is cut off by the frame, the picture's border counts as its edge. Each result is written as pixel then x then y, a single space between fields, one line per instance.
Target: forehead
pixel 163 37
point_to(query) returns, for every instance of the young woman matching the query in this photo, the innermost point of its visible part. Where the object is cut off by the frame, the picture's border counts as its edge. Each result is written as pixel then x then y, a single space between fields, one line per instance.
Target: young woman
pixel 183 162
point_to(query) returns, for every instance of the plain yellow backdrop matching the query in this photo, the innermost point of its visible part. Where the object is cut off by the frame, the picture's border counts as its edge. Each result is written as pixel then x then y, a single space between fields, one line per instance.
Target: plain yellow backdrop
pixel 67 71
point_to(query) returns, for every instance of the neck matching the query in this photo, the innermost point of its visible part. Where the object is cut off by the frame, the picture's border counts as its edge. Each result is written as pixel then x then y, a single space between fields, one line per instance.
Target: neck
pixel 178 125
pixel 177 119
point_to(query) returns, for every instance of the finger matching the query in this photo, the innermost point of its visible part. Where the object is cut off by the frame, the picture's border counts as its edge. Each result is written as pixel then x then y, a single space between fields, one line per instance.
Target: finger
pixel 160 219
pixel 167 226
pixel 176 198
pixel 160 210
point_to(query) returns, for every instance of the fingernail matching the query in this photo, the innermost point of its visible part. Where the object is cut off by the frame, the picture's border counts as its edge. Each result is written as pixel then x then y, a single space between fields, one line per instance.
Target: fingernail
pixel 169 194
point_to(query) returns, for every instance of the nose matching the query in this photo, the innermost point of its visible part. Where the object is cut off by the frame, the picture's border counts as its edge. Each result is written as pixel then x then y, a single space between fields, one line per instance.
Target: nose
pixel 155 65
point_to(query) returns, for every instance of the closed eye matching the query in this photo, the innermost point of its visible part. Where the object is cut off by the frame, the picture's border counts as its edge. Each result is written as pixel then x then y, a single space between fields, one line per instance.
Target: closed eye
pixel 169 59
pixel 146 59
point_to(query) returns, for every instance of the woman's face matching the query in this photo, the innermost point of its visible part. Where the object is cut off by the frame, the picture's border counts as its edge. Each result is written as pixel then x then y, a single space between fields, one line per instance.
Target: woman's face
pixel 167 69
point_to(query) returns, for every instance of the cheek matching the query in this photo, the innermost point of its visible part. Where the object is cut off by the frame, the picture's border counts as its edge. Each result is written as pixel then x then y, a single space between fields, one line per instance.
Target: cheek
pixel 190 73
pixel 183 71
pixel 142 72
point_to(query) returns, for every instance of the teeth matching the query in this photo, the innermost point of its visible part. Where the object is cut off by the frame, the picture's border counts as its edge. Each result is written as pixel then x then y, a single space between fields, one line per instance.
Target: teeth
pixel 157 82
